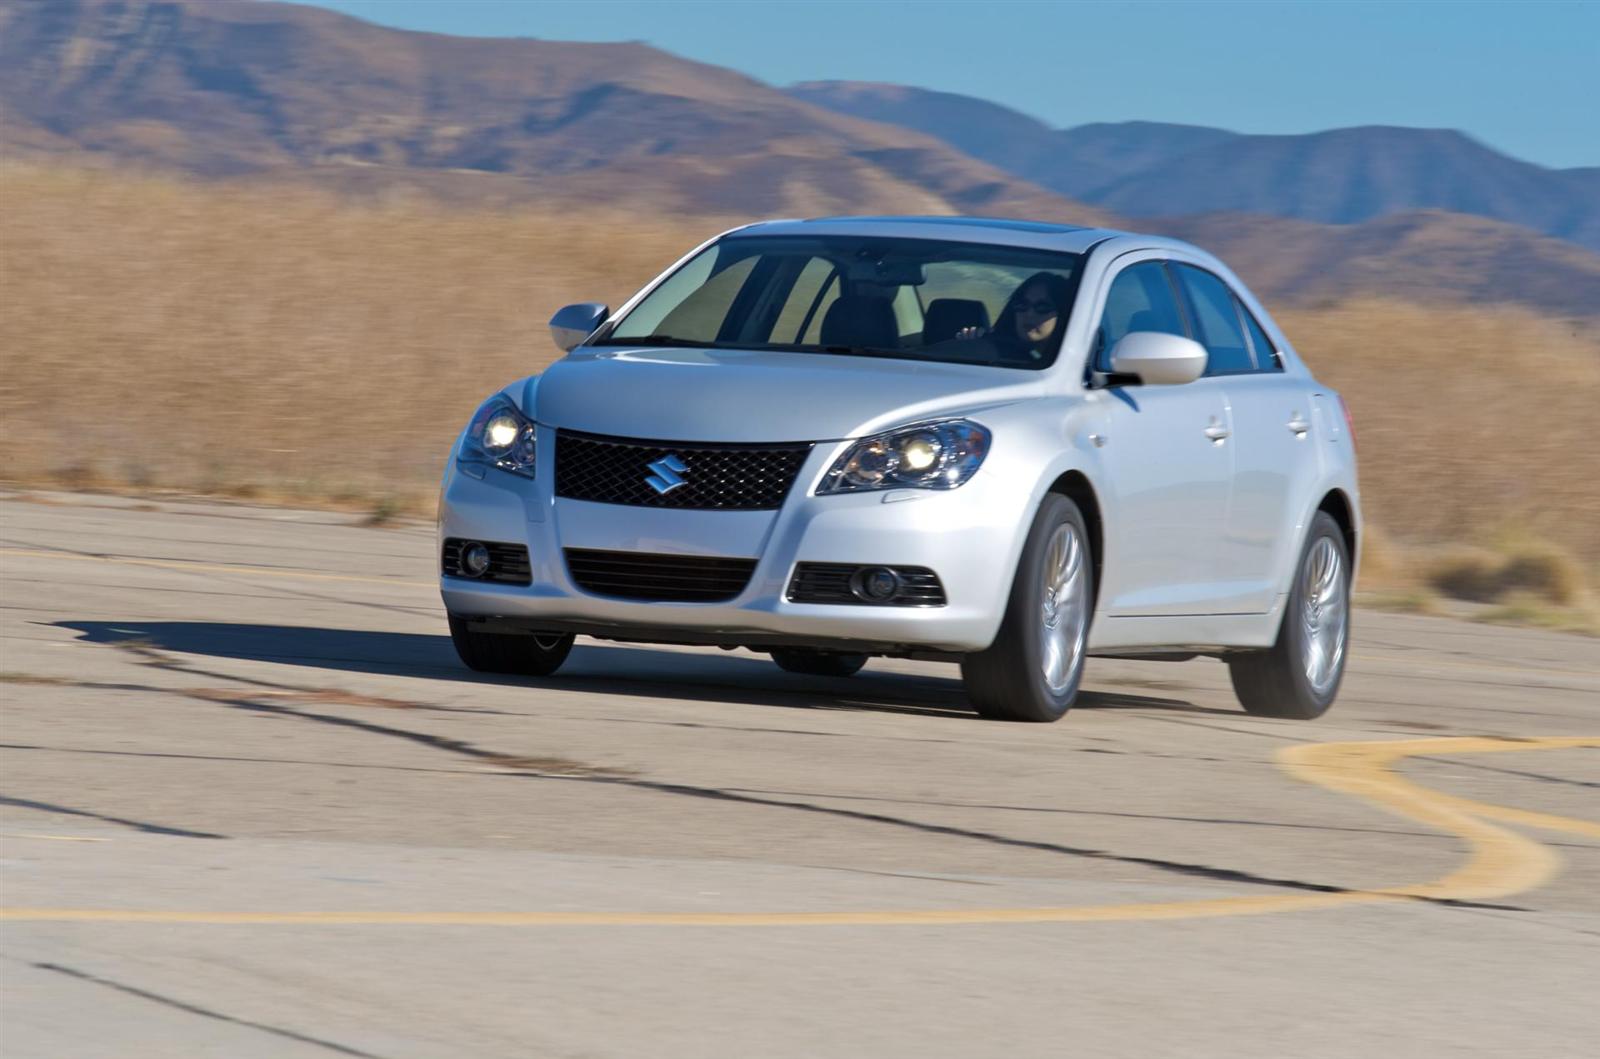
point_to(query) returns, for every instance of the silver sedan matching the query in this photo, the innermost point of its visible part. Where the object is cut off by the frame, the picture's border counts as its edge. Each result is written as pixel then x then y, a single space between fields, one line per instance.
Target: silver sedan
pixel 1005 444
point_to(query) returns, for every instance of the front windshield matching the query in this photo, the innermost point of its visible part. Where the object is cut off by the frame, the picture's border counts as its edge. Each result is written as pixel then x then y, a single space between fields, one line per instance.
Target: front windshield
pixel 921 299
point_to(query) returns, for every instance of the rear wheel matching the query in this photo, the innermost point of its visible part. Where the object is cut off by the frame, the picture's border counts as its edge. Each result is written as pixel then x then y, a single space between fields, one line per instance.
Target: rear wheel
pixel 1298 677
pixel 490 652
pixel 1032 670
pixel 816 663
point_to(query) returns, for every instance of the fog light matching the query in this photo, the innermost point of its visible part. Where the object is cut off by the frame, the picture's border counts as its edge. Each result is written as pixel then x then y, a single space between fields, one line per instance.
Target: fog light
pixel 879 584
pixel 474 560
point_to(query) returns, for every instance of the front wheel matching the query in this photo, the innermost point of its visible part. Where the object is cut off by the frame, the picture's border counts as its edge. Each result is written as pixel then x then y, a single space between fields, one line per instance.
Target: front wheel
pixel 1298 677
pixel 491 652
pixel 1032 670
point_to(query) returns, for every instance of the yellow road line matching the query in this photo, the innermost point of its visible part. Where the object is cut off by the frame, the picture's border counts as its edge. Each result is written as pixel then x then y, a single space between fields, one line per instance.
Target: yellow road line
pixel 229 568
pixel 1502 863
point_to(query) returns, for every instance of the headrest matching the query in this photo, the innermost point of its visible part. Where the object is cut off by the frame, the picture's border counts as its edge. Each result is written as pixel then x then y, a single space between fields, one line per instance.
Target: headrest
pixel 855 320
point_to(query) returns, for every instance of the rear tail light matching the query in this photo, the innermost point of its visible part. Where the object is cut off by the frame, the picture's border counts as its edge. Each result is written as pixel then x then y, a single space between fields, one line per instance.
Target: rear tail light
pixel 1349 424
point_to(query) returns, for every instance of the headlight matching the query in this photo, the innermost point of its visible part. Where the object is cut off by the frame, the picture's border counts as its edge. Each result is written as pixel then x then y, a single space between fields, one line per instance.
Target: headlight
pixel 927 456
pixel 501 436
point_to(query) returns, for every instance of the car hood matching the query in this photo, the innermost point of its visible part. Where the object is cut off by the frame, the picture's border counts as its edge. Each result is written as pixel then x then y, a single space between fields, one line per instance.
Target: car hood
pixel 752 396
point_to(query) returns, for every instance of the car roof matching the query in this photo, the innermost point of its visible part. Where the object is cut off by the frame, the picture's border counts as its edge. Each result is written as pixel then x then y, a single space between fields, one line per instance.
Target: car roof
pixel 998 231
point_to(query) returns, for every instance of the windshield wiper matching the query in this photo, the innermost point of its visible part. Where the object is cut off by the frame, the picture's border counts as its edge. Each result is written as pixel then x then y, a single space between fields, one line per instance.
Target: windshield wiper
pixel 861 351
pixel 661 341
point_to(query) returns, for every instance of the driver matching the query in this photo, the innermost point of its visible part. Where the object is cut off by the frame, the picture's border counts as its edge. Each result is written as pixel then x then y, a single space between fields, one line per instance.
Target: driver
pixel 1029 326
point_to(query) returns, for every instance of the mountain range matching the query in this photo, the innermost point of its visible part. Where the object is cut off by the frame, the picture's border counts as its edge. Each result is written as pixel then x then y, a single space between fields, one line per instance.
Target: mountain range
pixel 1149 169
pixel 241 89
pixel 275 91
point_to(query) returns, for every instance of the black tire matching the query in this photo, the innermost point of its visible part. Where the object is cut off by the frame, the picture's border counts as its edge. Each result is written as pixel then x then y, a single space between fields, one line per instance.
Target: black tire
pixel 817 663
pixel 1274 682
pixel 1007 681
pixel 491 652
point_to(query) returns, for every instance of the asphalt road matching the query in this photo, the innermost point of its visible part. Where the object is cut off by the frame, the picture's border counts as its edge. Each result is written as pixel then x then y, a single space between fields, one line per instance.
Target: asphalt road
pixel 252 806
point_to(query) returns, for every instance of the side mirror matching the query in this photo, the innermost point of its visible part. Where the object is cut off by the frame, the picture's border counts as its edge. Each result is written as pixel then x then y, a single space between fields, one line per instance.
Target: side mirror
pixel 1159 359
pixel 574 323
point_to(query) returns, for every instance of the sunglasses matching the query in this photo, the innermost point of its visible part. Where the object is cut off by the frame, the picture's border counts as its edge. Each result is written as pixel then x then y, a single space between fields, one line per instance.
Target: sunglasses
pixel 1039 308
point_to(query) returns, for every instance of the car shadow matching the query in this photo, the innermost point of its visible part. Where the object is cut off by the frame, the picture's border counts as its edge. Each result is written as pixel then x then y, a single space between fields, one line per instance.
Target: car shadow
pixel 603 668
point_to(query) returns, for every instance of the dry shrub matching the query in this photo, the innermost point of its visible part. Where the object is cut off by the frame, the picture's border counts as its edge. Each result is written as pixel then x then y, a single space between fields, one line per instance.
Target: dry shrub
pixel 1382 564
pixel 1524 569
pixel 1468 573
pixel 1550 574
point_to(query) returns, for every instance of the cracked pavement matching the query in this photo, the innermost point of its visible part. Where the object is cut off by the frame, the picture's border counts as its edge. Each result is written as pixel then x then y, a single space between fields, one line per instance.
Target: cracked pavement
pixel 219 709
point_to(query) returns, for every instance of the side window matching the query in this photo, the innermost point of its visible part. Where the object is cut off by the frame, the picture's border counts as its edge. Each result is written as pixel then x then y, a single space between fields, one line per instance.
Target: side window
pixel 812 334
pixel 1217 321
pixel 1267 358
pixel 908 314
pixel 804 300
pixel 1140 299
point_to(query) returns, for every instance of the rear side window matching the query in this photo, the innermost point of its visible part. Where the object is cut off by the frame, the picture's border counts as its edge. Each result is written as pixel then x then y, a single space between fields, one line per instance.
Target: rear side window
pixel 1216 318
pixel 1140 299
pixel 1267 358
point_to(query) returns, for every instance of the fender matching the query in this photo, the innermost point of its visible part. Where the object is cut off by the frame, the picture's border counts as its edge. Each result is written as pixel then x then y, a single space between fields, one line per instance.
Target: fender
pixel 1344 484
pixel 1076 454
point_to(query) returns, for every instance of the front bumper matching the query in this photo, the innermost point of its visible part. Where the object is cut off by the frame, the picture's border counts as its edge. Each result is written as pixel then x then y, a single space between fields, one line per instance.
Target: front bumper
pixel 969 536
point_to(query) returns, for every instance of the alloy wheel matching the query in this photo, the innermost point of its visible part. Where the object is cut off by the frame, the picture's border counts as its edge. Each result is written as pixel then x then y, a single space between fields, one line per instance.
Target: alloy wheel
pixel 1324 608
pixel 1064 609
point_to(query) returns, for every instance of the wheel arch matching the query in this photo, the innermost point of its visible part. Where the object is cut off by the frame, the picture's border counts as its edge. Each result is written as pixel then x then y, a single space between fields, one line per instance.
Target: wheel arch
pixel 1075 486
pixel 1338 506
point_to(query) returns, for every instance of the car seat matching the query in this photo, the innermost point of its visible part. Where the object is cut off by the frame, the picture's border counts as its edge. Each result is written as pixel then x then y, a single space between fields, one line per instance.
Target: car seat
pixel 858 320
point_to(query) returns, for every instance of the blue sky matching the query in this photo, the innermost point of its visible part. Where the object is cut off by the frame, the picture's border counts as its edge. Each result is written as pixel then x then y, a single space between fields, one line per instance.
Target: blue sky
pixel 1523 77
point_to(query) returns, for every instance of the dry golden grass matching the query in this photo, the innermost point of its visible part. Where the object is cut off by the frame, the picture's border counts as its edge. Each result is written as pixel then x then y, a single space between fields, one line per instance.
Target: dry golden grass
pixel 261 341
pixel 281 343
pixel 1469 421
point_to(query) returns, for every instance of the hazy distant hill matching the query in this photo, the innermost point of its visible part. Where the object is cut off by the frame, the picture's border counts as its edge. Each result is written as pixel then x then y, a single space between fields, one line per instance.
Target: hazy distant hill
pixel 242 88
pixel 1423 256
pixel 1341 176
pixel 1071 161
pixel 1349 175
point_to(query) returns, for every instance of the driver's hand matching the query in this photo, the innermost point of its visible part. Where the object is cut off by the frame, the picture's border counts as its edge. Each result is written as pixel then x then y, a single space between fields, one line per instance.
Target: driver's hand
pixel 970 332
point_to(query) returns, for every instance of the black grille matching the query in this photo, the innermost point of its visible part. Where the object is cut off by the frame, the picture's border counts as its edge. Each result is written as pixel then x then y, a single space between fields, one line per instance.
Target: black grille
pixel 725 477
pixel 666 578
pixel 830 583
pixel 508 563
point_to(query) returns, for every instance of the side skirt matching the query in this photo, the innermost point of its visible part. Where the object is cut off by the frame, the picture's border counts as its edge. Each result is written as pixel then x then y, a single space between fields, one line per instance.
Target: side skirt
pixel 1185 634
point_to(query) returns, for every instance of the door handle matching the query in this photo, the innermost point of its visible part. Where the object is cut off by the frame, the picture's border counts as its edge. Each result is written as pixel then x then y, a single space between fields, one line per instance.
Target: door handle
pixel 1297 425
pixel 1216 431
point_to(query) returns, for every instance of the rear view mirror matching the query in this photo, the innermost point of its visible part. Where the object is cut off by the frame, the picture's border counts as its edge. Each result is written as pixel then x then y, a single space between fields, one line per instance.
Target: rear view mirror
pixel 574 323
pixel 1159 359
pixel 890 272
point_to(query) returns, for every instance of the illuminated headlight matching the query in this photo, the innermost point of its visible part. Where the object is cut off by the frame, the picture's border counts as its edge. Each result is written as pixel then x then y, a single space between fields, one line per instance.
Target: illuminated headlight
pixel 501 436
pixel 928 456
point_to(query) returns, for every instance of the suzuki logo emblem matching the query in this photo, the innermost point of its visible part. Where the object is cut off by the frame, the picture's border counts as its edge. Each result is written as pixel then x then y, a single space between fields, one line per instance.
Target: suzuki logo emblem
pixel 669 474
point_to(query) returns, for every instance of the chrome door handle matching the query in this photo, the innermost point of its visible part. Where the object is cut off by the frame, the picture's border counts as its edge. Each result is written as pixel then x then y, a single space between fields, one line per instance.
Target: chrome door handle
pixel 1297 426
pixel 1217 432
